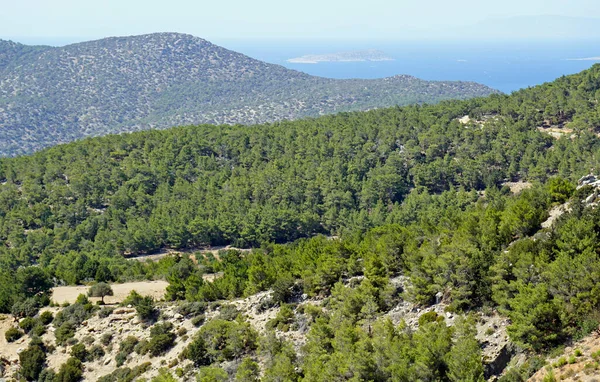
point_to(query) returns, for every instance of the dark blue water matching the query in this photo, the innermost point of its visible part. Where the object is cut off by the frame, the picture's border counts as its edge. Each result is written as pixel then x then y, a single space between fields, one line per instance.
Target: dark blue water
pixel 503 66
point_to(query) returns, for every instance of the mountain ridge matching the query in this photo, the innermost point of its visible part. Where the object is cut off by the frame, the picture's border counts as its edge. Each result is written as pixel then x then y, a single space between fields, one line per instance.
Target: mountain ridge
pixel 121 84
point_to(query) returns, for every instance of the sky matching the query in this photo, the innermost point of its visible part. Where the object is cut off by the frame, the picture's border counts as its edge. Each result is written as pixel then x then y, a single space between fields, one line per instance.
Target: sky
pixel 77 20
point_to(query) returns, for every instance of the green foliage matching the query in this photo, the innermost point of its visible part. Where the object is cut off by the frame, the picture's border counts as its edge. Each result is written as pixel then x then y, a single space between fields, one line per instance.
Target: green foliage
pixel 27 324
pixel 283 320
pixel 47 100
pixel 220 340
pixel 12 334
pixel 212 374
pixel 100 290
pixel 164 376
pixel 80 352
pixel 161 338
pixel 64 332
pixel 248 371
pixel 126 374
pixel 70 371
pixel 32 361
pixel 144 305
pixel 46 318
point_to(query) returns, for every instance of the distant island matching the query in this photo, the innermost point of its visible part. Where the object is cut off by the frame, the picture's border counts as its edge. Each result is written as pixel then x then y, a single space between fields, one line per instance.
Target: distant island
pixel 352 56
pixel 584 59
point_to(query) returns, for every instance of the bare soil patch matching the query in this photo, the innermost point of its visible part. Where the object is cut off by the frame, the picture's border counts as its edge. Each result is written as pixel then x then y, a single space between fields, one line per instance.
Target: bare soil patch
pixel 69 294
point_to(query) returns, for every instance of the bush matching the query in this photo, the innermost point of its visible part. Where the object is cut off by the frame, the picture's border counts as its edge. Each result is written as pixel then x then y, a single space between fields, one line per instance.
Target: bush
pixel 64 332
pixel 46 318
pixel 283 320
pixel 126 374
pixel 248 371
pixel 47 375
pixel 228 312
pixel 145 308
pixel 32 362
pixel 27 324
pixel 142 347
pixel 75 314
pixel 220 340
pixel 159 344
pixel 26 308
pixel 80 352
pixel 105 312
pixel 128 344
pixel 106 339
pixel 181 331
pixel 38 330
pixel 143 305
pixel 198 320
pixel 429 317
pixel 13 334
pixel 70 371
pixel 212 374
pixel 121 358
pixel 96 352
pixel 191 309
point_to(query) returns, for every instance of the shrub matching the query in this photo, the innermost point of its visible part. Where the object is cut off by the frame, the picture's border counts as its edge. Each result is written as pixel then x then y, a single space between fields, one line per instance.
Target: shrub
pixel 212 374
pixel 70 371
pixel 105 312
pixel 46 318
pixel 222 340
pixel 13 334
pixel 145 308
pixel 25 308
pixel 429 317
pixel 96 352
pixel 47 375
pixel 198 320
pixel 248 371
pixel 561 362
pixel 106 339
pixel 142 347
pixel 32 362
pixel 75 314
pixel 578 353
pixel 181 331
pixel 283 320
pixel 80 352
pixel 126 374
pixel 160 343
pixel 228 312
pixel 191 309
pixel 121 358
pixel 27 324
pixel 128 344
pixel 64 332
pixel 38 330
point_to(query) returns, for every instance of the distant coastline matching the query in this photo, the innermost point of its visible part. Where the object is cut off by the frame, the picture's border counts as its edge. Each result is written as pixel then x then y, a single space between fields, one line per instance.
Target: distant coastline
pixel 352 56
pixel 584 59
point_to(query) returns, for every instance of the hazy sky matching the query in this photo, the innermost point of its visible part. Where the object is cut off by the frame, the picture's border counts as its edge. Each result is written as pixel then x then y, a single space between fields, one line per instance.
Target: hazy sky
pixel 222 19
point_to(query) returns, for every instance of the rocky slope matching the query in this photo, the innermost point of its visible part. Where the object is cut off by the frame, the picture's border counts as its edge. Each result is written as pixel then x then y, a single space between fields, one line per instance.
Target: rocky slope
pixel 54 95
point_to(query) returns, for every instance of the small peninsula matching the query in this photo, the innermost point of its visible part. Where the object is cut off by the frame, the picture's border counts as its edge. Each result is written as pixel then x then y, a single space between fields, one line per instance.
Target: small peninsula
pixel 351 56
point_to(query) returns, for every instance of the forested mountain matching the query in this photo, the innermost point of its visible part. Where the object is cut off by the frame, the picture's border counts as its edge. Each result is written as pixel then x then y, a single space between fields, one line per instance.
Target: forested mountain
pixel 56 95
pixel 413 192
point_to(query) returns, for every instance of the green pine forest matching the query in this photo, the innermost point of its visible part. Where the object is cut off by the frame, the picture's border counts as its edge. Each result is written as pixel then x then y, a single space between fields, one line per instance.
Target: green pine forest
pixel 405 191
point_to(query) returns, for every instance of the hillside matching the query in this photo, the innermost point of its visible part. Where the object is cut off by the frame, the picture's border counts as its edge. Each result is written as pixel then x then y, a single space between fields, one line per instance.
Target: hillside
pixel 482 211
pixel 123 84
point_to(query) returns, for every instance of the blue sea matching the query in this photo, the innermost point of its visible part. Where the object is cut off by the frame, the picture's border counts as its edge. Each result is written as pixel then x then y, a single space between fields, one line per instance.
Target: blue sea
pixel 506 66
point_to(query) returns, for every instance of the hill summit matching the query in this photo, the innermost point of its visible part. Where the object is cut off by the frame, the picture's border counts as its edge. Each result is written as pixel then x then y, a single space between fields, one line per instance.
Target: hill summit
pixel 51 95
